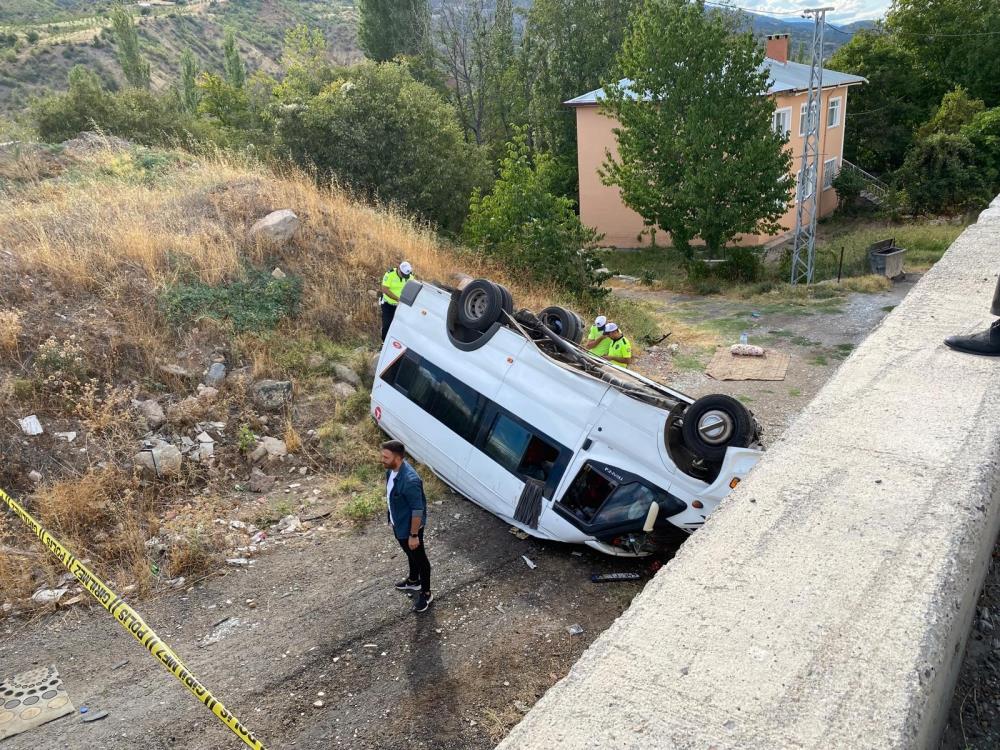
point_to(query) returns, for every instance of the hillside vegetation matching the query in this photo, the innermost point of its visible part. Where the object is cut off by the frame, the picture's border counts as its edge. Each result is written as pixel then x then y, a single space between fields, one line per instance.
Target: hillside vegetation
pixel 30 68
pixel 125 273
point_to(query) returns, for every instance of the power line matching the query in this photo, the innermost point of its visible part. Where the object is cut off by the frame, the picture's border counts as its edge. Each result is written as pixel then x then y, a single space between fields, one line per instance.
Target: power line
pixel 931 34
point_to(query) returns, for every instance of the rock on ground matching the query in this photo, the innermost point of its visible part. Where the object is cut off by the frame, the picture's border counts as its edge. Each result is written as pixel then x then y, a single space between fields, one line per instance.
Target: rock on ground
pixel 343 390
pixel 272 395
pixel 215 375
pixel 277 226
pixel 152 412
pixel 345 374
pixel 161 460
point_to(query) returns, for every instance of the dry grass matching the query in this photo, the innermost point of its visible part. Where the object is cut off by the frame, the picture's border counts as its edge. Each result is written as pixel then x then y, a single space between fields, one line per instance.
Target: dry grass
pixel 10 329
pixel 116 224
pixel 100 516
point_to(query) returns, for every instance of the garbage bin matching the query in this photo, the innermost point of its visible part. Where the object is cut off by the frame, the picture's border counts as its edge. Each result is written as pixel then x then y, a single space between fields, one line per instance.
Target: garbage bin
pixel 886 259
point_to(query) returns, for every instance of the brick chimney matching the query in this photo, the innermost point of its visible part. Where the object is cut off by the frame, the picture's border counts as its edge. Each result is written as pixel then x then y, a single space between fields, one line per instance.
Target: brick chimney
pixel 778 46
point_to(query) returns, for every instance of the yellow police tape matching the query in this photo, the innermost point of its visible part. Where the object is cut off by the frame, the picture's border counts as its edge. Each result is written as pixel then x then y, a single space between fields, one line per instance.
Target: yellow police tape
pixel 129 619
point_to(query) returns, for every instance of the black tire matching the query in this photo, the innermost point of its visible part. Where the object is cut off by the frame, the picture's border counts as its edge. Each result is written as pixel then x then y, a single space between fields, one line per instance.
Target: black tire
pixel 565 323
pixel 714 423
pixel 508 299
pixel 480 304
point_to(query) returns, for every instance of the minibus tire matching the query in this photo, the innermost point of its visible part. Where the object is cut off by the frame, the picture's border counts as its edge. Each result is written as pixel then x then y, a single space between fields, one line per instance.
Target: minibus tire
pixel 565 323
pixel 508 298
pixel 734 421
pixel 480 304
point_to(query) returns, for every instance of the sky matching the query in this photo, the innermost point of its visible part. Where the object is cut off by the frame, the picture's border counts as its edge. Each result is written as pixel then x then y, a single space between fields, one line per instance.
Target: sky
pixel 846 10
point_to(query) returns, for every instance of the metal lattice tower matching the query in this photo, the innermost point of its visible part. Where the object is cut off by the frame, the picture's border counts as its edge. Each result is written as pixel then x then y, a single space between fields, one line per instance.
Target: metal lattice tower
pixel 807 205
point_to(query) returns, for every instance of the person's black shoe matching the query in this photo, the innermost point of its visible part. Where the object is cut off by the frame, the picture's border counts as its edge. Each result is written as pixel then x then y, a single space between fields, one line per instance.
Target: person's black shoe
pixel 408 585
pixel 985 343
pixel 423 602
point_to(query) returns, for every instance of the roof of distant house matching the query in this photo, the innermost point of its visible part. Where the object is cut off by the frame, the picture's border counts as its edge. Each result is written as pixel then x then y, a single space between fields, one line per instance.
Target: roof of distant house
pixel 784 77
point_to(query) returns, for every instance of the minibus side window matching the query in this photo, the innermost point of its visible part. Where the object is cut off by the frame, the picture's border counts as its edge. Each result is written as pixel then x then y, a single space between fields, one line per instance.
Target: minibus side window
pixel 451 402
pixel 519 450
pixel 587 493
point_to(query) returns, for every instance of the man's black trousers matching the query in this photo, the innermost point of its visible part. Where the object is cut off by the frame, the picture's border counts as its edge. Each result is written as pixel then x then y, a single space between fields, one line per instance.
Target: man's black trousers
pixel 420 566
pixel 388 313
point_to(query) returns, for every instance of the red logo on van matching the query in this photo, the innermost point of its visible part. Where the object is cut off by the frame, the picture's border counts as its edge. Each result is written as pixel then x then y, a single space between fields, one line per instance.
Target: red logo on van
pixel 397 345
pixel 378 413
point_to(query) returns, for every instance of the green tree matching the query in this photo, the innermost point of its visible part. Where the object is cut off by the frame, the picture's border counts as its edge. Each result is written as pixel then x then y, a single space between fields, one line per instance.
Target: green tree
pixel 236 72
pixel 134 114
pixel 569 49
pixel 85 104
pixel 189 93
pixel 885 112
pixel 387 137
pixel 523 223
pixel 941 175
pixel 956 41
pixel 134 66
pixel 390 28
pixel 476 52
pixel 698 156
pixel 956 111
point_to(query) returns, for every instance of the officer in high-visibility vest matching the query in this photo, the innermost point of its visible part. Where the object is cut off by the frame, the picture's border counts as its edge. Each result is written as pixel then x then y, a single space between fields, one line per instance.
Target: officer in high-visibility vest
pixel 597 343
pixel 392 286
pixel 620 351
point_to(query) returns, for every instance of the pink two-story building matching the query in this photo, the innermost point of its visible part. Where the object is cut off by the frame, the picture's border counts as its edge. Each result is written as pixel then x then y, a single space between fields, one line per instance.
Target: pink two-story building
pixel 601 206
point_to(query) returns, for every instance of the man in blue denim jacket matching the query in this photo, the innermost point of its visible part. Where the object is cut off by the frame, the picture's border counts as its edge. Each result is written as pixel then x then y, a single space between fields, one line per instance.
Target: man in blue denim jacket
pixel 407 515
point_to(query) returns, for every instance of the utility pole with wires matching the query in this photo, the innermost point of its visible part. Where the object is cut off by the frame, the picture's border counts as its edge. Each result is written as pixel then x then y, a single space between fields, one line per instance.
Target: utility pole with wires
pixel 807 205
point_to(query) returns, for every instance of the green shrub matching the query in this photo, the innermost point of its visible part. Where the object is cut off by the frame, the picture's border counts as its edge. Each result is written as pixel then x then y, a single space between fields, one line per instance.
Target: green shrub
pixel 364 506
pixel 133 114
pixel 742 265
pixel 385 136
pixel 255 302
pixel 848 185
pixel 942 174
pixel 523 223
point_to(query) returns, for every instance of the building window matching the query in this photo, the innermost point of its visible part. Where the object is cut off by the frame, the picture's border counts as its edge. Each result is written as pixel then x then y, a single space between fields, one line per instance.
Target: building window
pixel 829 173
pixel 781 121
pixel 833 113
pixel 803 118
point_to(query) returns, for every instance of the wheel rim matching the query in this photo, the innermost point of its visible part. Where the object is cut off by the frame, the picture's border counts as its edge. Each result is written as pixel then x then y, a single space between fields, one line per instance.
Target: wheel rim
pixel 476 305
pixel 715 427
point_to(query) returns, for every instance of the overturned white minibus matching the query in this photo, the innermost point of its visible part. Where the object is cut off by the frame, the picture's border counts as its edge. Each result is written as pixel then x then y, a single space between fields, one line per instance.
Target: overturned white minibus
pixel 512 413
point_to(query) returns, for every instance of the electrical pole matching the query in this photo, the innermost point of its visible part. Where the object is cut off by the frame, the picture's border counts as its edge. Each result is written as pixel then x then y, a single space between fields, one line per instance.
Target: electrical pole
pixel 807 205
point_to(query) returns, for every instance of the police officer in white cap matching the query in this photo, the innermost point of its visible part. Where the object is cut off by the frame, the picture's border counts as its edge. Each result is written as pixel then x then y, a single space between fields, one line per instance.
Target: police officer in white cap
pixel 392 286
pixel 598 343
pixel 620 351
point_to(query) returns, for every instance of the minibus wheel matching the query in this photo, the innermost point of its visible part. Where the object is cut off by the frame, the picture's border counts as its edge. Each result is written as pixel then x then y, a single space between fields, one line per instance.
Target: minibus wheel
pixel 480 304
pixel 563 322
pixel 714 423
pixel 508 298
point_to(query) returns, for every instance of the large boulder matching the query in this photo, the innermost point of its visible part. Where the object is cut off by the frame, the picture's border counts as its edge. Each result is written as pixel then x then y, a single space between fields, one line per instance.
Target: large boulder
pixel 272 395
pixel 278 226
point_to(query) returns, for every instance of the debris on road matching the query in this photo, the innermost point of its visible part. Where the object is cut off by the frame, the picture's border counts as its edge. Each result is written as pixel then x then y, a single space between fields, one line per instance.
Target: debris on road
pixel 93 715
pixel 614 577
pixel 528 561
pixel 518 533
pixel 574 630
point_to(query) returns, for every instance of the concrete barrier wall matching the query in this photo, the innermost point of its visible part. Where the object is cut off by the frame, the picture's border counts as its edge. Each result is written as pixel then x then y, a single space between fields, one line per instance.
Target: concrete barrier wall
pixel 827 602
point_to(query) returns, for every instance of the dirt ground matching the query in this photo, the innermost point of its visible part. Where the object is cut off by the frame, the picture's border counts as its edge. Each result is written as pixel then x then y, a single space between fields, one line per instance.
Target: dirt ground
pixel 316 617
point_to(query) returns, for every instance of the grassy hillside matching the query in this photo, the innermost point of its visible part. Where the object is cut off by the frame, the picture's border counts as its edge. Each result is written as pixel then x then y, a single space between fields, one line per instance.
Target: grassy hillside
pixel 30 68
pixel 116 261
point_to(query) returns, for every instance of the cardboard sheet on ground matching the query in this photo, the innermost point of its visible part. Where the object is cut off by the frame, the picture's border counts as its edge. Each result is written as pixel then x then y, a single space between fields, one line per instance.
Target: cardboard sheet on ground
pixel 30 699
pixel 726 366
